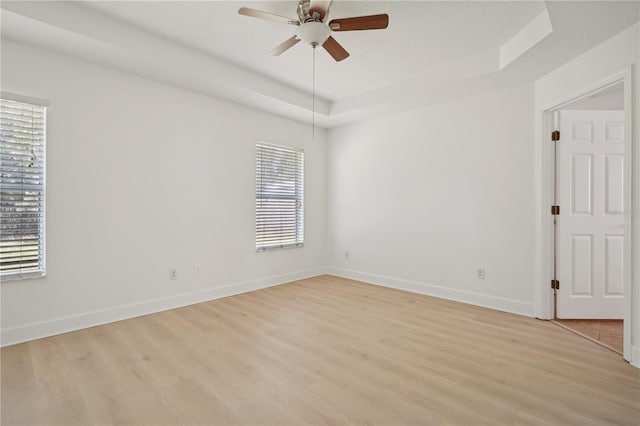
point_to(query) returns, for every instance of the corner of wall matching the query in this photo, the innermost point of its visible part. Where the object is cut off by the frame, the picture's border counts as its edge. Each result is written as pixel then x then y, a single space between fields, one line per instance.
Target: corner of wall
pixel 478 299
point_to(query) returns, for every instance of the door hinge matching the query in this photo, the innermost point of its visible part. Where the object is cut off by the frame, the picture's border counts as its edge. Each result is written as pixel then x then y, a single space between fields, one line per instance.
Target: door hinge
pixel 555 135
pixel 555 284
pixel 555 210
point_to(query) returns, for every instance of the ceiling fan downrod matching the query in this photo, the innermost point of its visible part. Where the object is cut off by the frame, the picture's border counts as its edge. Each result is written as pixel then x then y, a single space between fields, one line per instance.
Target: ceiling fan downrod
pixel 313 95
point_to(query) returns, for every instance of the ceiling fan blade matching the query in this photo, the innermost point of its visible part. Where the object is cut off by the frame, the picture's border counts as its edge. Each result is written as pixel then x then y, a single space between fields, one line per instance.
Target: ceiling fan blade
pixel 247 11
pixel 371 22
pixel 284 46
pixel 335 49
pixel 320 6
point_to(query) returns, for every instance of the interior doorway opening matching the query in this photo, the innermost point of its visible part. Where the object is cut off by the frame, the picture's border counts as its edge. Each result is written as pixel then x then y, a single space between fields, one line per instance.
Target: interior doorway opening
pixel 589 234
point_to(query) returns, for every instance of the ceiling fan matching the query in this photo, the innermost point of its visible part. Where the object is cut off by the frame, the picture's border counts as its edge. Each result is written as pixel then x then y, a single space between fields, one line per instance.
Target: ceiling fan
pixel 314 29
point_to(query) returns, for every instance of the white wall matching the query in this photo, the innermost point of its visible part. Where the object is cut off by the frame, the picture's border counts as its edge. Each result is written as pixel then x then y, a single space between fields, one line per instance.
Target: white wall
pixel 143 177
pixel 613 57
pixel 421 199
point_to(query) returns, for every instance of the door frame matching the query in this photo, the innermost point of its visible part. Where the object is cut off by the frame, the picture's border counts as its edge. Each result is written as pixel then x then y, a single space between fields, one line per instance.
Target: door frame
pixel 544 193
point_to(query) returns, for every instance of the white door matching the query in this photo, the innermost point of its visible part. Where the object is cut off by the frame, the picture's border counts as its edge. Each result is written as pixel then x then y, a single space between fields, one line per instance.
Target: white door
pixel 590 227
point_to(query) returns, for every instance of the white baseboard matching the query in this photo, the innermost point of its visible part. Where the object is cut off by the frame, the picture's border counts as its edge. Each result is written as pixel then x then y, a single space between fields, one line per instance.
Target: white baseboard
pixel 635 356
pixel 479 299
pixel 37 330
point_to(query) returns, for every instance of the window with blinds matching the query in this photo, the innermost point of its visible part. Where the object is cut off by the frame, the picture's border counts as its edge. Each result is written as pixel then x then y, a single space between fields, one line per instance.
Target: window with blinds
pixel 22 189
pixel 279 197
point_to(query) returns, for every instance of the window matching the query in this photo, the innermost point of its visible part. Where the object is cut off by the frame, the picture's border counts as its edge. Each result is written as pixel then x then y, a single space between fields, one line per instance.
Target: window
pixel 22 189
pixel 279 197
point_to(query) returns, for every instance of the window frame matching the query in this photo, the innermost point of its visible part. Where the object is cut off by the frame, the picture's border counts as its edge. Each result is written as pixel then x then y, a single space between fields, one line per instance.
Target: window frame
pixel 298 181
pixel 42 260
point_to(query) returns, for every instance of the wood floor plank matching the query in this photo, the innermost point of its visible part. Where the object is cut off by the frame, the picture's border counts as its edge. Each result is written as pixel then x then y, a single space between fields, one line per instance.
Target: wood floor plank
pixel 18 404
pixel 324 350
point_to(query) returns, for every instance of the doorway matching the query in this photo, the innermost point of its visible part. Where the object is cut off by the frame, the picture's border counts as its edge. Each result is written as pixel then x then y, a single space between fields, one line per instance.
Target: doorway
pixel 589 224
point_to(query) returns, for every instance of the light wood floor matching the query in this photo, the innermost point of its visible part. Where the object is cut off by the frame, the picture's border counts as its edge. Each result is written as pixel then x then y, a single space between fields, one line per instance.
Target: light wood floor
pixel 320 351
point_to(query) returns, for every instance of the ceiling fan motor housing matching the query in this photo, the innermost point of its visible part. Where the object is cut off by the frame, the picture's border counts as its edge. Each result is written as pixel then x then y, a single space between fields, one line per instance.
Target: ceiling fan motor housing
pixel 313 33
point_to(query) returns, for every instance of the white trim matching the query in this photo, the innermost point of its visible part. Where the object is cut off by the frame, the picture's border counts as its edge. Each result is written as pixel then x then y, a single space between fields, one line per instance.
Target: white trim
pixel 23 98
pixel 635 356
pixel 629 246
pixel 585 91
pixel 543 239
pixel 464 296
pixel 544 196
pixel 587 95
pixel 18 276
pixel 36 330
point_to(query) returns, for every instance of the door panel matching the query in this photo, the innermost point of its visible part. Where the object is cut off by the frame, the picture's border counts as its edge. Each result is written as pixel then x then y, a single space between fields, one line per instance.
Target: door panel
pixel 590 226
pixel 581 132
pixel 613 176
pixel 613 245
pixel 581 187
pixel 614 131
pixel 582 265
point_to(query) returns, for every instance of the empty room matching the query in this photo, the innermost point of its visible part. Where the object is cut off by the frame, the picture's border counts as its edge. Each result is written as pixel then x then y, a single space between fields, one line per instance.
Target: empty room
pixel 320 212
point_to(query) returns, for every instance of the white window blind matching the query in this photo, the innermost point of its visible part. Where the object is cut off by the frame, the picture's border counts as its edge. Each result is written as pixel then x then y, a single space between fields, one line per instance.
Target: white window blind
pixel 22 189
pixel 279 197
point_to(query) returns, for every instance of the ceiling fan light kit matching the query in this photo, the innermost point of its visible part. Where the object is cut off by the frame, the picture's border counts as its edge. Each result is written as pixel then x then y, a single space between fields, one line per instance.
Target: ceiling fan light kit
pixel 314 33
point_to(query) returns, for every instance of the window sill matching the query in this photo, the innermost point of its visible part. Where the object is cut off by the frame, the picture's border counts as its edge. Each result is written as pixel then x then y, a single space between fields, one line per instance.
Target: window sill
pixel 19 276
pixel 279 247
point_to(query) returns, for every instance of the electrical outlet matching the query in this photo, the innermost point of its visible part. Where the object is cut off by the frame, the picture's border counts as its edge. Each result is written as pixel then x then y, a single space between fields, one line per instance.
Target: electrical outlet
pixel 347 255
pixel 480 274
pixel 173 274
pixel 196 271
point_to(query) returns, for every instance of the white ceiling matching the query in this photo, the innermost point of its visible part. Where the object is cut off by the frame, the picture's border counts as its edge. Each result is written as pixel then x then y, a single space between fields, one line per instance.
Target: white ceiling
pixel 431 52
pixel 421 36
